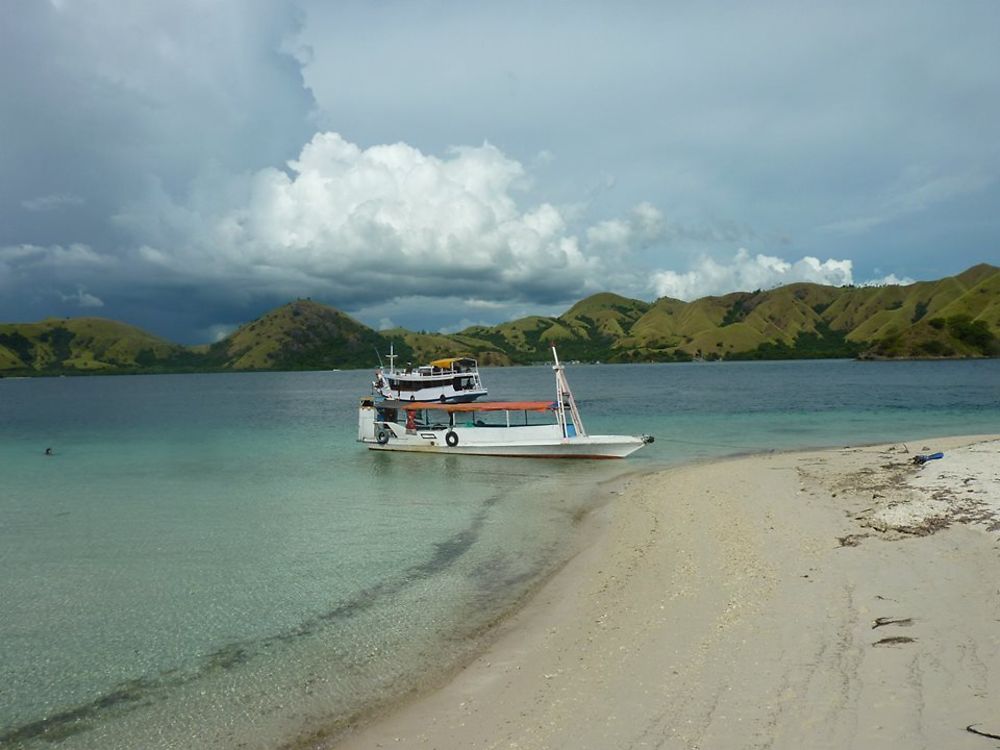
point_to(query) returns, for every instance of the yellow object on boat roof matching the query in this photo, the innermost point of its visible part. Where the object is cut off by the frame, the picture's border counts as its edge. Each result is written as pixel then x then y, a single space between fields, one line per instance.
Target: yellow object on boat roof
pixel 447 362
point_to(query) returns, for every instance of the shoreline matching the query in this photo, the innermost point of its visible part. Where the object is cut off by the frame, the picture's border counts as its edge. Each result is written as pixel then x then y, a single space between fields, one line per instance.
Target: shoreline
pixel 719 608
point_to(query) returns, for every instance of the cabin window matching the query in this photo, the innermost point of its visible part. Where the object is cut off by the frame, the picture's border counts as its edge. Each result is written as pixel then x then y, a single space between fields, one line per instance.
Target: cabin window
pixel 403 385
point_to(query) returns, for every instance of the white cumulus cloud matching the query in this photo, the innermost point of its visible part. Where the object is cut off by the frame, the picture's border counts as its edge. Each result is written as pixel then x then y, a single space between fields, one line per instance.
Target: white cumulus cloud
pixel 388 221
pixel 888 280
pixel 745 272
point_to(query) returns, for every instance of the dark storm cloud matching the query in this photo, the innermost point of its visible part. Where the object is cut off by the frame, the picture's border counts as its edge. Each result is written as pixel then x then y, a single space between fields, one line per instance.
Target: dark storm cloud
pixel 103 100
pixel 109 94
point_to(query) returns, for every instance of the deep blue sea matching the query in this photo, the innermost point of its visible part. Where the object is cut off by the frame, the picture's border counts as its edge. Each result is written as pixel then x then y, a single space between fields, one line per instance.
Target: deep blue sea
pixel 213 561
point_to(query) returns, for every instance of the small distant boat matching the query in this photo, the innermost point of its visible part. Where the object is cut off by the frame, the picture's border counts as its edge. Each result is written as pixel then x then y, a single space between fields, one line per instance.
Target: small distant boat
pixel 448 381
pixel 530 429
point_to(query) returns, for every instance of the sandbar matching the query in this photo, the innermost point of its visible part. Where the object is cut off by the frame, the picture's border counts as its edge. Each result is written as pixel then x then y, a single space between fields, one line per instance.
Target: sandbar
pixel 844 598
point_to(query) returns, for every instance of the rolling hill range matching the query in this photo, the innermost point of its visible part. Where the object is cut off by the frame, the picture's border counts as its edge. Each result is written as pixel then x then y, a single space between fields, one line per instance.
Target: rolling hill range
pixel 958 316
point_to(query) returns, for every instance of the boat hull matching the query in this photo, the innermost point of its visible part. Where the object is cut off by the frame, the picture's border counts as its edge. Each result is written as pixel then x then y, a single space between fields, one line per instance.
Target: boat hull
pixel 589 447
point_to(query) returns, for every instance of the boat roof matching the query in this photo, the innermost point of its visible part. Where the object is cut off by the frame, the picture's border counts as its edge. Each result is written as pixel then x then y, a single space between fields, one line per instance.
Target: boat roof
pixel 449 361
pixel 472 406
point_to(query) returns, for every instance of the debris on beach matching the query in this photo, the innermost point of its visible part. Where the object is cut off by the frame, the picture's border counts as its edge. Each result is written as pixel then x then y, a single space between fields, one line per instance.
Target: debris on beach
pixel 903 621
pixel 851 540
pixel 888 496
pixel 971 728
pixel 894 640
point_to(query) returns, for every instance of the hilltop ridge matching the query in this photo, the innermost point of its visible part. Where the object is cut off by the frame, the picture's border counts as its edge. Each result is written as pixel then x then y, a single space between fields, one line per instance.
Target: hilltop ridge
pixel 957 316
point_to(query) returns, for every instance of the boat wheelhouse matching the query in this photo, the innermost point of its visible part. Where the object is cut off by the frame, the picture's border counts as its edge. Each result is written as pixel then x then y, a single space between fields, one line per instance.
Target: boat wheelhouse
pixel 532 429
pixel 448 380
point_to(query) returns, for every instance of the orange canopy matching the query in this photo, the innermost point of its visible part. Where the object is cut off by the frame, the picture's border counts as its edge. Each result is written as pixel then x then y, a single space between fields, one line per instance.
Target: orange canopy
pixel 480 406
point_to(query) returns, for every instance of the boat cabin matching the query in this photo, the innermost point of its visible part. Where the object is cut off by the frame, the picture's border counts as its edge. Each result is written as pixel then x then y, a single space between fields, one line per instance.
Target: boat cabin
pixel 448 380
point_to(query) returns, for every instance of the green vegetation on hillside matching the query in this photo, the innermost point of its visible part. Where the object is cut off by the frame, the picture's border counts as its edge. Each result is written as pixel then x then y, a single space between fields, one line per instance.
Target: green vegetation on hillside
pixel 823 343
pixel 302 335
pixel 77 345
pixel 956 336
pixel 958 316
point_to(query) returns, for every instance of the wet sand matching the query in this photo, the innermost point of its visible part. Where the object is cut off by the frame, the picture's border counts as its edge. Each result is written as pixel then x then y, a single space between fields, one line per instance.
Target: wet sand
pixel 831 599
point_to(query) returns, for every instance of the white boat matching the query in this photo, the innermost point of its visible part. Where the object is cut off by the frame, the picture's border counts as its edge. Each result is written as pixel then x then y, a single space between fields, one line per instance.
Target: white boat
pixel 449 380
pixel 532 429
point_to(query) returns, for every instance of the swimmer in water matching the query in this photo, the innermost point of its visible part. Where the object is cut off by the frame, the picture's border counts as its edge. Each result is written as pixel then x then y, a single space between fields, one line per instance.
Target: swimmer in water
pixel 48 452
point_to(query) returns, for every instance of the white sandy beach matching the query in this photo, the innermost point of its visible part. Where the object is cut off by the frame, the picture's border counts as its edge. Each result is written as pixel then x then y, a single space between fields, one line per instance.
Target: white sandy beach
pixel 833 599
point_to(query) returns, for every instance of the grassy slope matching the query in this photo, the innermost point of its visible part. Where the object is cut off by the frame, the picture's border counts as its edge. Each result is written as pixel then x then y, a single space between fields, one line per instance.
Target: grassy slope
pixel 82 344
pixel 9 360
pixel 300 335
pixel 957 316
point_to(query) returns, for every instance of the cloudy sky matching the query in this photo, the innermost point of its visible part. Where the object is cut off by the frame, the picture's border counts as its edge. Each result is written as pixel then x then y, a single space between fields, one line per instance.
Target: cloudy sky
pixel 187 165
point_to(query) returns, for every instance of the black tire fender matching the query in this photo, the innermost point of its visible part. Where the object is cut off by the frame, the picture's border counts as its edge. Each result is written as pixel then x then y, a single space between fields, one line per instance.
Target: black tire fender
pixel 381 436
pixel 451 438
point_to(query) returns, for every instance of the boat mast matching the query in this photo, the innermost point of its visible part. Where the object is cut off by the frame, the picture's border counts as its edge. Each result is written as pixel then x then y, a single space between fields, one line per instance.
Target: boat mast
pixel 391 356
pixel 564 397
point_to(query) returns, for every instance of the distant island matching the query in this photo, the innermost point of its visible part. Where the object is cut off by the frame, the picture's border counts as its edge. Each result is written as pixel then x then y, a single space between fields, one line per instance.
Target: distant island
pixel 954 317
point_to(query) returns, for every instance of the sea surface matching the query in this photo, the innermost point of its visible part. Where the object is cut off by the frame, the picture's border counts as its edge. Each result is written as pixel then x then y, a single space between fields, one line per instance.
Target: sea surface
pixel 213 561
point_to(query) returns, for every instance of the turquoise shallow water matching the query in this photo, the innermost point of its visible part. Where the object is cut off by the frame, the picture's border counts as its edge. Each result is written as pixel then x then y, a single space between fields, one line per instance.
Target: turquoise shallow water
pixel 211 560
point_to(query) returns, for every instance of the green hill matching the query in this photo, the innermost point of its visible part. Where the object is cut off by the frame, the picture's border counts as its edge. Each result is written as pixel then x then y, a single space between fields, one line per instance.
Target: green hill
pixel 60 345
pixel 302 335
pixel 958 316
